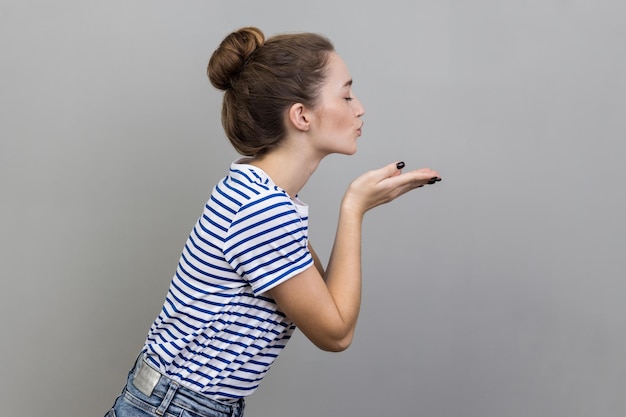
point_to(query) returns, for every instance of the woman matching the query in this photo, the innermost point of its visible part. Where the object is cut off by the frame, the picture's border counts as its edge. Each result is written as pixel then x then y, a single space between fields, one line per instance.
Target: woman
pixel 247 276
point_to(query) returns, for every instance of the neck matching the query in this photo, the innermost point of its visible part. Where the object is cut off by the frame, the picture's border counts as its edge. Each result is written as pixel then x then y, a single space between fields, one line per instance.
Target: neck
pixel 289 170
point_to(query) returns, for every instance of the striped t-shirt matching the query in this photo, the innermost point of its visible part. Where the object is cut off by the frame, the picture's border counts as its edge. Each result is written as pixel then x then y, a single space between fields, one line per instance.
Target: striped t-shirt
pixel 217 333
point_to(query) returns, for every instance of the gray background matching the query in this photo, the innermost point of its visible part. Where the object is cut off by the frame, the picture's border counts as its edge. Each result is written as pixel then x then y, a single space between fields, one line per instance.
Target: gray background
pixel 498 292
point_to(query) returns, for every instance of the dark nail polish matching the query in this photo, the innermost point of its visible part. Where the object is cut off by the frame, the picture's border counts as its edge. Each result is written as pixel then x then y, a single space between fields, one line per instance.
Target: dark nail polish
pixel 435 179
pixel 432 182
pixel 400 165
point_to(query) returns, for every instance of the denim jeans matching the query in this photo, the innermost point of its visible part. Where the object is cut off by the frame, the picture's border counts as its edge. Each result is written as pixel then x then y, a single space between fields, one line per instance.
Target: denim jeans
pixel 169 399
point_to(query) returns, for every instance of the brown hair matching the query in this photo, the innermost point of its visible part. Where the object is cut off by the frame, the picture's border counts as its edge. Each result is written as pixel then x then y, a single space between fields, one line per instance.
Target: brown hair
pixel 261 79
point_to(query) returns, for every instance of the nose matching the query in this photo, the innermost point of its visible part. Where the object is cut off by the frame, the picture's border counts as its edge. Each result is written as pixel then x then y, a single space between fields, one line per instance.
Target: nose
pixel 359 110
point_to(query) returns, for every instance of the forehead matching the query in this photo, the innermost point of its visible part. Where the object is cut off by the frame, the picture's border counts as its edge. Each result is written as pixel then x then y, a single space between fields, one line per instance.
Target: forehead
pixel 337 71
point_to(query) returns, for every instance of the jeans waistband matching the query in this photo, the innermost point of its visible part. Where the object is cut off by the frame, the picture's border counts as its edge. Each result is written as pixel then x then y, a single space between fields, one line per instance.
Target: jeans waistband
pixel 161 394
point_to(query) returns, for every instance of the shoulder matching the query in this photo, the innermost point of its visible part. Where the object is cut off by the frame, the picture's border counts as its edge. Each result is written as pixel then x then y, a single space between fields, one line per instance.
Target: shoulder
pixel 247 200
pixel 252 189
pixel 244 186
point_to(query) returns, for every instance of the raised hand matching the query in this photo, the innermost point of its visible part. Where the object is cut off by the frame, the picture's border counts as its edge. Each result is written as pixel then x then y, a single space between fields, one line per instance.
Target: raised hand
pixel 383 185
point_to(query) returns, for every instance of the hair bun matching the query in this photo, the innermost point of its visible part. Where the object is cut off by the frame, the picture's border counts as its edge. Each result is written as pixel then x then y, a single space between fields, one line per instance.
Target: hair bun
pixel 229 58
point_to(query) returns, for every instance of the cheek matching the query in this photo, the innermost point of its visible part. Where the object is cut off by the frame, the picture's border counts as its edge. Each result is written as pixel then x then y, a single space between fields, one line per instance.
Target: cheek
pixel 339 118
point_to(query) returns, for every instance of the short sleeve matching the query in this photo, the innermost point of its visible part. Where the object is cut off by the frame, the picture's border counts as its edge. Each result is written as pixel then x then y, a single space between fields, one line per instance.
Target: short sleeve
pixel 267 241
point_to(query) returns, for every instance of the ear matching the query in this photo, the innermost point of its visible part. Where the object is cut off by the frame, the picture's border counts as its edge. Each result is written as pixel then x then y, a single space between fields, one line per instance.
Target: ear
pixel 298 117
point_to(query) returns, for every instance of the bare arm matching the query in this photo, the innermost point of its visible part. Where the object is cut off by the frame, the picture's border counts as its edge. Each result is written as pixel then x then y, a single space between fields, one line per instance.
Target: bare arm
pixel 325 307
pixel 316 261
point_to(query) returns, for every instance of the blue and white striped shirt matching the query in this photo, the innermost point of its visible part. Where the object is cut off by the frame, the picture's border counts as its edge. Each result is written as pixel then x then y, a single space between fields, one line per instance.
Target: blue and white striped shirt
pixel 217 333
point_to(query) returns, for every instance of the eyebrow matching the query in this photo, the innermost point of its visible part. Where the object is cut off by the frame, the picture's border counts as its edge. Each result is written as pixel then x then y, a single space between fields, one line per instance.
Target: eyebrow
pixel 348 83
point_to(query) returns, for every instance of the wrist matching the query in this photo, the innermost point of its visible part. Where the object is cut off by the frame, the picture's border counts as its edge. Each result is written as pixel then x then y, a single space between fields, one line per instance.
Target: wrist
pixel 350 208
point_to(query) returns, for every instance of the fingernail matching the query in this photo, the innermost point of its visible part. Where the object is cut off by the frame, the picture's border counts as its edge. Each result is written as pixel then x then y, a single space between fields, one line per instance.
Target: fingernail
pixel 435 179
pixel 400 165
pixel 432 182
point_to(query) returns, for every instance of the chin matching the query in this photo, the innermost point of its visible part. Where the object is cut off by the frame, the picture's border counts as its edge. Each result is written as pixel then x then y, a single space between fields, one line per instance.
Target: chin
pixel 346 149
pixel 351 151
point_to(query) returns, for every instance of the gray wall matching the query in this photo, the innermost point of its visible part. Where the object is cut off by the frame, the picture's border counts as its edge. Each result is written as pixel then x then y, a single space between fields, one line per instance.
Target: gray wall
pixel 498 292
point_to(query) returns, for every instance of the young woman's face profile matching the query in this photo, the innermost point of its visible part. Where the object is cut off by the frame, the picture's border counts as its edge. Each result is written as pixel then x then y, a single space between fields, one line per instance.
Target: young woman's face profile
pixel 337 124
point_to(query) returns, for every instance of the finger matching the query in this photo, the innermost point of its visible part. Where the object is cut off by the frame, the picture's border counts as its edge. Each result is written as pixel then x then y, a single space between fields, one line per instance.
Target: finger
pixel 425 174
pixel 414 179
pixel 407 180
pixel 388 171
